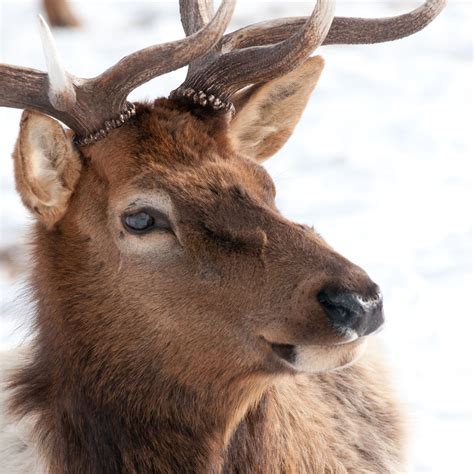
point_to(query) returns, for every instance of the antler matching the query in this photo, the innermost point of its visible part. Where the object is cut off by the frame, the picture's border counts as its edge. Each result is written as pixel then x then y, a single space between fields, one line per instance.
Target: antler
pixel 219 66
pixel 92 107
pixel 260 52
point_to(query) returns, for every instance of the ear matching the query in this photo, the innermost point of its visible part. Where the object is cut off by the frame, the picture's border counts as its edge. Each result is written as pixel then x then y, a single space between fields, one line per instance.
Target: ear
pixel 47 167
pixel 267 114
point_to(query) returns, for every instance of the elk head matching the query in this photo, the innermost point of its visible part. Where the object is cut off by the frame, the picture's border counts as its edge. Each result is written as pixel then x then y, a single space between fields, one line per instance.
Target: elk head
pixel 158 239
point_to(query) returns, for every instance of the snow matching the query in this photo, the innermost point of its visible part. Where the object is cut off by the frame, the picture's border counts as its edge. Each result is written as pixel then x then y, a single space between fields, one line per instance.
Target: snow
pixel 380 165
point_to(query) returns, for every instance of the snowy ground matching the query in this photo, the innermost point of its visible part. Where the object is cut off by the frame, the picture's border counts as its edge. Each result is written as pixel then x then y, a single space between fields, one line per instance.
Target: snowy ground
pixel 380 164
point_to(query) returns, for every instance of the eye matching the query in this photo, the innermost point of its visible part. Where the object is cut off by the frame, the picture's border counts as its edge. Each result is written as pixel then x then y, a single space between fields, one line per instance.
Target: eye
pixel 145 220
pixel 139 222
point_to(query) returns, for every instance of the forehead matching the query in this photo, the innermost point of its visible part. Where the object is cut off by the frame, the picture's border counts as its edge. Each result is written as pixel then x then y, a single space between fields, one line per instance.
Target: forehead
pixel 173 150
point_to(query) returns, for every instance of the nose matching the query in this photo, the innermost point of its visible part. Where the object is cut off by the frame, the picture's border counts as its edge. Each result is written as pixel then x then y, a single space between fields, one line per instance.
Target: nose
pixel 350 311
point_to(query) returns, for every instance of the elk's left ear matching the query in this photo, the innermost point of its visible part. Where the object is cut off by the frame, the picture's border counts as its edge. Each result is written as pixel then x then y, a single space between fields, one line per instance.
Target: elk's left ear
pixel 47 167
pixel 267 114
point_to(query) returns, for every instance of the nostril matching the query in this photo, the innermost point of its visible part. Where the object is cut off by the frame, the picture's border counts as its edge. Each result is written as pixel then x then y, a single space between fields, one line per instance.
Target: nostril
pixel 339 308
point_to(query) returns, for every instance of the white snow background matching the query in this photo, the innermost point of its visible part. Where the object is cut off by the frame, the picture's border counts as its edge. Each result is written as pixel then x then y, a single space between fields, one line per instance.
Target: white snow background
pixel 380 165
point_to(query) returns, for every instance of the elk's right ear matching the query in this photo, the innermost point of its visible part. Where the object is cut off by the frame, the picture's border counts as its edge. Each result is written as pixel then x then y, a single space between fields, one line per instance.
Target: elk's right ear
pixel 47 167
pixel 268 113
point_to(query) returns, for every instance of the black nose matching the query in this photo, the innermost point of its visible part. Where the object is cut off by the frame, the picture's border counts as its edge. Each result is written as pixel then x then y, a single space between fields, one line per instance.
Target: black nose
pixel 347 310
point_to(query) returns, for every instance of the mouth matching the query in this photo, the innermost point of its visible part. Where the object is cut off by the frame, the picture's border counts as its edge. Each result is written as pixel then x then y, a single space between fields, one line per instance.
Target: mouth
pixel 287 352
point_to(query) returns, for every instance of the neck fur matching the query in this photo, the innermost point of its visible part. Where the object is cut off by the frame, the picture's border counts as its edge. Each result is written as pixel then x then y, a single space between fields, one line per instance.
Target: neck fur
pixel 98 412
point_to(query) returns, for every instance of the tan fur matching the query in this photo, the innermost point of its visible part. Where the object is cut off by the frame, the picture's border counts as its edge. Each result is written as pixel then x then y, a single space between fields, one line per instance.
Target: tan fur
pixel 343 434
pixel 153 352
pixel 264 123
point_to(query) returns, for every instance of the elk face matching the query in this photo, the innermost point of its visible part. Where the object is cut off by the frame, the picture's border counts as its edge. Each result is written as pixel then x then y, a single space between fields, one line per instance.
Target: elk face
pixel 167 235
pixel 180 218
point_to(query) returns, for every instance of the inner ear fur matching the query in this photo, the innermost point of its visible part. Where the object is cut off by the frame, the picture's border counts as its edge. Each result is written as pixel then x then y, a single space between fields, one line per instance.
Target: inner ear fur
pixel 47 166
pixel 267 114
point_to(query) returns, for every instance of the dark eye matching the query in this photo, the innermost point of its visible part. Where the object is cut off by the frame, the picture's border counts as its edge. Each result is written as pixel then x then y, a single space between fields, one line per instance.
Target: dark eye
pixel 145 220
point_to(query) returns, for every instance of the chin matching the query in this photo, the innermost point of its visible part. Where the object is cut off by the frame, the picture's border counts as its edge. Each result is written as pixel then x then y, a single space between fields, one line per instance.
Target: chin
pixel 321 358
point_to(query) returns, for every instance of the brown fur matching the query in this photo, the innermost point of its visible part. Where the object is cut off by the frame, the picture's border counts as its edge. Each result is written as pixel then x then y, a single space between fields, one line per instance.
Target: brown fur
pixel 152 352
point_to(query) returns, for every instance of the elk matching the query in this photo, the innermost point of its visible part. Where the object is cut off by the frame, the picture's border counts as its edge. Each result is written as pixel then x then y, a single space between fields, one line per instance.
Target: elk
pixel 182 324
pixel 60 13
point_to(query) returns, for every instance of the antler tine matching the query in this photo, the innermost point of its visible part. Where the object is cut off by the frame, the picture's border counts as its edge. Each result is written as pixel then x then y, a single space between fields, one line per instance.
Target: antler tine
pixel 61 89
pixel 28 88
pixel 221 75
pixel 195 14
pixel 344 30
pixel 379 30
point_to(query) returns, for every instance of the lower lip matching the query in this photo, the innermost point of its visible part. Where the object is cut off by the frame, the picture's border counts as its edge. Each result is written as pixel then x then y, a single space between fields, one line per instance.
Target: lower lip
pixel 287 352
pixel 349 339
